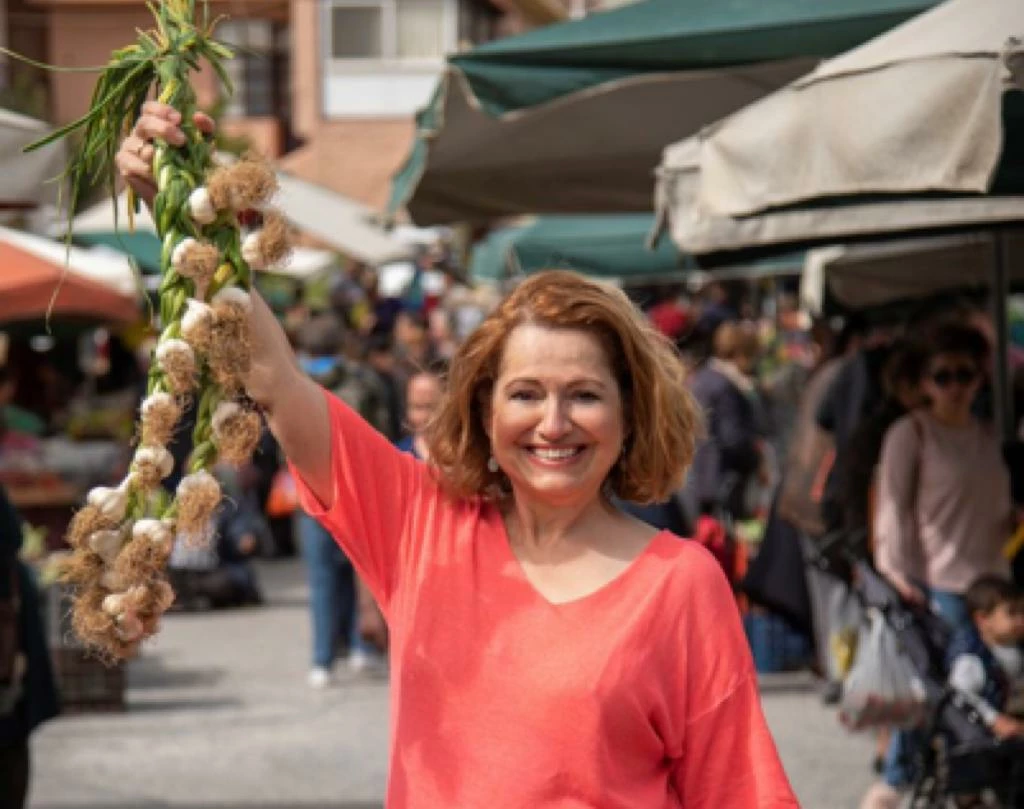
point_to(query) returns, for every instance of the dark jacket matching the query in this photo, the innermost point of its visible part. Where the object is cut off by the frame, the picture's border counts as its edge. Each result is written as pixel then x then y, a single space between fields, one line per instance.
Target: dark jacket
pixel 39 696
pixel 728 456
pixel 967 641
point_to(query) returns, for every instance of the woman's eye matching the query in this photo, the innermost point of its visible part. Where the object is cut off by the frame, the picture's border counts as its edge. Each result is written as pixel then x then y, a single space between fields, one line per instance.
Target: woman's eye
pixel 587 396
pixel 521 396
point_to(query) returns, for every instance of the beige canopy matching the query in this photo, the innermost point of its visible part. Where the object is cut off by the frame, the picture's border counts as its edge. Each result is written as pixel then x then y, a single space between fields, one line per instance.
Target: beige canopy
pixel 915 111
pixel 861 276
pixel 24 175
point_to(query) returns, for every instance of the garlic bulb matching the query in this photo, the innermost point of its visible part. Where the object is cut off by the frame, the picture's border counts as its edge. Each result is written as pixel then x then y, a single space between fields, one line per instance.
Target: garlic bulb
pixel 223 413
pixel 180 250
pixel 153 531
pixel 158 402
pixel 200 206
pixel 112 502
pixel 232 296
pixel 252 251
pixel 106 544
pixel 113 581
pixel 129 627
pixel 174 348
pixel 113 604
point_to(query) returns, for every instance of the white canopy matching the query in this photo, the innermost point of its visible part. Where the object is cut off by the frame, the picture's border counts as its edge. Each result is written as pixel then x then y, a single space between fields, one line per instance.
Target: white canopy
pixel 917 110
pixel 861 276
pixel 25 175
pixel 341 223
pixel 338 221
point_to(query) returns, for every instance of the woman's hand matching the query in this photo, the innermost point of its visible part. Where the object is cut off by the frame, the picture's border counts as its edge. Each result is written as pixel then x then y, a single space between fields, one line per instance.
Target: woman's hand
pixel 1006 727
pixel 134 160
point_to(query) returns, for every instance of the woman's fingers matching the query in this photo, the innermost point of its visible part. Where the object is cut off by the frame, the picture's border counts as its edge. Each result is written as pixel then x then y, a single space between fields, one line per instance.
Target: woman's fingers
pixel 151 126
pixel 137 173
pixel 204 122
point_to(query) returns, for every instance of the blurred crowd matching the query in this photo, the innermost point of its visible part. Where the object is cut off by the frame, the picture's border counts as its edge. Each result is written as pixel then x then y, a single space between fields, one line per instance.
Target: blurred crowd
pixel 813 428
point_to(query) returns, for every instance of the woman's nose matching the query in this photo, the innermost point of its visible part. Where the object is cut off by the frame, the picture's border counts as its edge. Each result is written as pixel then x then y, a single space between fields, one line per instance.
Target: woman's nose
pixel 555 422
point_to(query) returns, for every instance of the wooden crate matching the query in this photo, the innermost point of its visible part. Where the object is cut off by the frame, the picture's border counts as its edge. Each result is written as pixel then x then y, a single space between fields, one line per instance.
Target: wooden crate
pixel 87 685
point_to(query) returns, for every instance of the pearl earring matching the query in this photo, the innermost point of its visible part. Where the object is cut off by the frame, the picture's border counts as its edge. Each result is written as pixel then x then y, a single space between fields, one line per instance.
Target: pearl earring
pixel 492 465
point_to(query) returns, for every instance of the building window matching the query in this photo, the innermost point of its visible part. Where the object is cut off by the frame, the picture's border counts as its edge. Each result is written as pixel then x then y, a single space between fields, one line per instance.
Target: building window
pixel 260 68
pixel 392 30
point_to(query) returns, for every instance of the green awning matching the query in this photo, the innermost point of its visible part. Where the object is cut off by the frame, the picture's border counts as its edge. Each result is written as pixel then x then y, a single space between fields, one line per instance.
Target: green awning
pixel 142 245
pixel 602 246
pixel 573 117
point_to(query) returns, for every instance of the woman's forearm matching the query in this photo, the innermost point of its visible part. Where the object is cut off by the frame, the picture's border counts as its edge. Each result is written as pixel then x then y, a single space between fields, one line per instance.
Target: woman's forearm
pixel 295 405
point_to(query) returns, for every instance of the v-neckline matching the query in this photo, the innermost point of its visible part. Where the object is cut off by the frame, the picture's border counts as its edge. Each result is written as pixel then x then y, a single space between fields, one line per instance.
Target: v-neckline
pixel 504 541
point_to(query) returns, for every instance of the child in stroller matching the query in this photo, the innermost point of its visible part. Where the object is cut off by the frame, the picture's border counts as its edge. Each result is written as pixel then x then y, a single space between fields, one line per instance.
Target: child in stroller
pixel 966 753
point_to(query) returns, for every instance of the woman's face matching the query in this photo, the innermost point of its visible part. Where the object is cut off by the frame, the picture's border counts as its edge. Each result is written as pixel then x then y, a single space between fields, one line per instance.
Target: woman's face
pixel 421 400
pixel 555 416
pixel 952 382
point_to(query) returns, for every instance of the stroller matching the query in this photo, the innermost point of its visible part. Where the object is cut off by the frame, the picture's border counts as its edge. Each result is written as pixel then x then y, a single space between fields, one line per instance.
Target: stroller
pixel 956 761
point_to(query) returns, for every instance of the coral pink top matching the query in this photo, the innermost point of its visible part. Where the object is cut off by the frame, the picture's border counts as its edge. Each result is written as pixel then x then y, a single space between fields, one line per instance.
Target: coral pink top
pixel 640 695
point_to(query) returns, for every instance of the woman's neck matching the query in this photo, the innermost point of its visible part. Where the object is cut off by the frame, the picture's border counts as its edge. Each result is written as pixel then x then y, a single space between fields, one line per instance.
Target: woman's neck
pixel 539 528
pixel 952 417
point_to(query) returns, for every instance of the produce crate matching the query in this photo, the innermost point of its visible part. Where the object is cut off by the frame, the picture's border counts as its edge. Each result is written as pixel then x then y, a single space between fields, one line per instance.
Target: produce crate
pixel 87 685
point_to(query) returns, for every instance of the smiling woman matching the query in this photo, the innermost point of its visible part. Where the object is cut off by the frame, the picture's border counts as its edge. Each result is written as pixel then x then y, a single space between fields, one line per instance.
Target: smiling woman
pixel 547 650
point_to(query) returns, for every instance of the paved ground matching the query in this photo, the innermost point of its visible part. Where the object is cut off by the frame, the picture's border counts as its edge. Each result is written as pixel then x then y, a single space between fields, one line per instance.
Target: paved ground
pixel 220 716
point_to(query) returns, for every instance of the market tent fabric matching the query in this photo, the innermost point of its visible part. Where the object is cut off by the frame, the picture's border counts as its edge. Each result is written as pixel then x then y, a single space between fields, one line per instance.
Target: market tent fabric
pixel 920 129
pixel 30 277
pixel 103 266
pixel 572 117
pixel 875 274
pixel 603 246
pixel 25 175
pixel 337 221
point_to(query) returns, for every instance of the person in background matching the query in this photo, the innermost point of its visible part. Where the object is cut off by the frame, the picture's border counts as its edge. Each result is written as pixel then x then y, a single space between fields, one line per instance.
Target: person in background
pixel 28 692
pixel 729 456
pixel 975 666
pixel 902 393
pixel 334 588
pixel 944 510
pixel 422 397
pixel 380 361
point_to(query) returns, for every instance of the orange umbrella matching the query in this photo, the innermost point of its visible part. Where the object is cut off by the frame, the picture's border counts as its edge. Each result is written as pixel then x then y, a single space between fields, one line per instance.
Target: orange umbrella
pixel 28 283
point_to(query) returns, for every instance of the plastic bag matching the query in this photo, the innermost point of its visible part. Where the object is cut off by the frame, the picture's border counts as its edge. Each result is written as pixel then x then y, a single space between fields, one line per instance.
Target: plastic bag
pixel 883 689
pixel 845 617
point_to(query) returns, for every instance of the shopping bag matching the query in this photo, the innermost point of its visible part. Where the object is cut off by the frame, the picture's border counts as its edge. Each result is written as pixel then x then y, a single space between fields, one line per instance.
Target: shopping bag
pixel 283 498
pixel 883 688
pixel 845 620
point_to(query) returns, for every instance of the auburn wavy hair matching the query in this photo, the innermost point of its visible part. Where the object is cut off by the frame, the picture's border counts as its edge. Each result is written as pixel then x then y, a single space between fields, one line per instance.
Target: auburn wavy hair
pixel 661 419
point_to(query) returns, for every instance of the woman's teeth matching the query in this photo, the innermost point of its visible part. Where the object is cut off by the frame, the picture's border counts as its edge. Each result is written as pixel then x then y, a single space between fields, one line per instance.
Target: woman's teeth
pixel 555 454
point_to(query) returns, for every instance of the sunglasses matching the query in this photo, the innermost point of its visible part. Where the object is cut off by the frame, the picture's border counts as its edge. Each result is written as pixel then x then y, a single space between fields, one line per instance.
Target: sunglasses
pixel 944 377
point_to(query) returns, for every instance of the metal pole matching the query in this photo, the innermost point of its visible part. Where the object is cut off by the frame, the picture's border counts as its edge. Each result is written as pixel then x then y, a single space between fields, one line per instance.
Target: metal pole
pixel 1002 391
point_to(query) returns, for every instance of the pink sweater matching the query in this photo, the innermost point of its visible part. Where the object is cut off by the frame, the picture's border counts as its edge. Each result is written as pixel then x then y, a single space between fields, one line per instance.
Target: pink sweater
pixel 944 509
pixel 640 695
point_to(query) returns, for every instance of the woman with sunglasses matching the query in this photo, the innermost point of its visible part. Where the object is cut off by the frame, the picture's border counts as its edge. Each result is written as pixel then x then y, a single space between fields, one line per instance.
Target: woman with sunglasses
pixel 944 510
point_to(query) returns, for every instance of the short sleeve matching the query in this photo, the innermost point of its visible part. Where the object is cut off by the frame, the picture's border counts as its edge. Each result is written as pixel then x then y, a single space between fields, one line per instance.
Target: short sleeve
pixel 897 546
pixel 726 757
pixel 375 488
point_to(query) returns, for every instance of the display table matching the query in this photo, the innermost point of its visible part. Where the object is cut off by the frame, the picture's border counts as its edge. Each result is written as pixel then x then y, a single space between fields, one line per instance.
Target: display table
pixel 48 505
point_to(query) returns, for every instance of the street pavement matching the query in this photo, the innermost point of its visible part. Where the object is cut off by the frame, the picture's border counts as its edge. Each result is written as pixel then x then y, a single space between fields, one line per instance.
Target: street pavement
pixel 220 717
